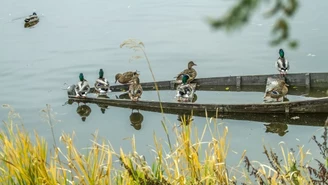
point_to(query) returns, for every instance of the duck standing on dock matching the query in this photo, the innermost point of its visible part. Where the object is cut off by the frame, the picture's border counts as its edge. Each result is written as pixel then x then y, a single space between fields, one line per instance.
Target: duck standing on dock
pixel 282 64
pixel 82 88
pixel 135 89
pixel 184 90
pixel 102 84
pixel 189 71
pixel 125 77
pixel 279 91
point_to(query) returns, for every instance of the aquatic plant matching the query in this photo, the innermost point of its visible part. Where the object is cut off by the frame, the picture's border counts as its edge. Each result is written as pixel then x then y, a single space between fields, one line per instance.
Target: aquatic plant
pixel 26 159
pixel 137 45
pixel 186 164
pixel 290 170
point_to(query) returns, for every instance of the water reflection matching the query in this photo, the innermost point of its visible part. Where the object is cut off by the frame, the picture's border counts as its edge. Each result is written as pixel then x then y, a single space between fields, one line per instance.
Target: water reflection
pixel 103 107
pixel 84 111
pixel 123 96
pixel 276 127
pixel 136 119
pixel 194 98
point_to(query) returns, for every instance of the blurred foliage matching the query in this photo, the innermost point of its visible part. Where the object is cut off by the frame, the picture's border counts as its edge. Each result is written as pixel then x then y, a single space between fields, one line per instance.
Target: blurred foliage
pixel 239 15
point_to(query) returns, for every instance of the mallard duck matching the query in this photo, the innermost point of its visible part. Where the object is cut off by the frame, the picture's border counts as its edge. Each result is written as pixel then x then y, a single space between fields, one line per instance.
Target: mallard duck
pixel 184 90
pixel 189 71
pixel 282 64
pixel 32 18
pixel 125 77
pixel 280 90
pixel 102 84
pixel 82 88
pixel 135 89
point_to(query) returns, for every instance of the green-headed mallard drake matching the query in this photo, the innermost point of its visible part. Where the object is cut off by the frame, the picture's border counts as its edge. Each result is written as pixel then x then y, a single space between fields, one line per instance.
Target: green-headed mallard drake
pixel 278 91
pixel 32 18
pixel 282 64
pixel 125 77
pixel 82 88
pixel 135 89
pixel 189 71
pixel 102 84
pixel 185 91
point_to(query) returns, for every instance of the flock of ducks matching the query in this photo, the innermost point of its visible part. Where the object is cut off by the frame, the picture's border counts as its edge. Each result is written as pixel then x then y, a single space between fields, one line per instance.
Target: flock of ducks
pixel 131 78
pixel 184 78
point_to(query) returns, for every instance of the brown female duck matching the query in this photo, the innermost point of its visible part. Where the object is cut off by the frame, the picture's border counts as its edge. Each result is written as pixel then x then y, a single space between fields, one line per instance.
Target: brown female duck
pixel 125 77
pixel 135 89
pixel 278 91
pixel 189 71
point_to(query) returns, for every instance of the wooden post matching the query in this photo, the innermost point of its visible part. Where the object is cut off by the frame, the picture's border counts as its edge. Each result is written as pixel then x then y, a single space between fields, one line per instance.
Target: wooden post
pixel 307 80
pixel 172 83
pixel 238 82
pixel 286 109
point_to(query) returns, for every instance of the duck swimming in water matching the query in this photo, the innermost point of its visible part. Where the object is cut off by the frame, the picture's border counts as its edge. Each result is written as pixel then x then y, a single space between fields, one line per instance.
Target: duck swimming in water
pixel 135 89
pixel 191 72
pixel 102 84
pixel 125 77
pixel 32 18
pixel 82 88
pixel 282 64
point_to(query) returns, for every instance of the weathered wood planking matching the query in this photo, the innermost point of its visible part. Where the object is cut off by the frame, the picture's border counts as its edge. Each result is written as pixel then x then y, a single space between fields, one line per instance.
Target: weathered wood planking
pixel 306 80
pixel 317 119
pixel 319 105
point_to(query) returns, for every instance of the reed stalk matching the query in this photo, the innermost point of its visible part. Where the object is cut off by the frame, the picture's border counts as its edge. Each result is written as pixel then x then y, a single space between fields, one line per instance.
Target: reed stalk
pixel 137 45
pixel 25 159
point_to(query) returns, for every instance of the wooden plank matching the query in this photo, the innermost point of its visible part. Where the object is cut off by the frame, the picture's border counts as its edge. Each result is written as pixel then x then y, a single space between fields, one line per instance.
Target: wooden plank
pixel 319 105
pixel 296 79
pixel 307 81
pixel 317 119
pixel 319 80
pixel 238 82
pixel 252 83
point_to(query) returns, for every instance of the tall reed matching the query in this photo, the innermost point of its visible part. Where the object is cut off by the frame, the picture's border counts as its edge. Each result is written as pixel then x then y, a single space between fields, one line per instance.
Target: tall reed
pixel 137 45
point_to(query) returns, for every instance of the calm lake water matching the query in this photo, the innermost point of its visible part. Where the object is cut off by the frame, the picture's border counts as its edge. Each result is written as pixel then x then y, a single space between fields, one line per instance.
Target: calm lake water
pixel 76 36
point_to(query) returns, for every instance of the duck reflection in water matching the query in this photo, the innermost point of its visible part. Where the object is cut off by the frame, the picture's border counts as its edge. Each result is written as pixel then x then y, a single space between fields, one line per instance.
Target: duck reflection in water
pixel 185 119
pixel 124 95
pixel 194 98
pixel 279 128
pixel 84 111
pixel 102 106
pixel 136 119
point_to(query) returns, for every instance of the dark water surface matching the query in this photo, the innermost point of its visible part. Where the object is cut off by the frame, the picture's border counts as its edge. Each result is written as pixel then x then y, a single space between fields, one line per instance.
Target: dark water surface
pixel 37 64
